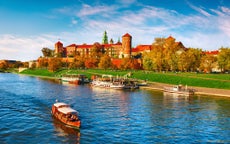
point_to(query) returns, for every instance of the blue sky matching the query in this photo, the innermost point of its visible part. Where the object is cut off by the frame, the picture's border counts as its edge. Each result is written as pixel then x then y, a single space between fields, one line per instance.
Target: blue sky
pixel 27 26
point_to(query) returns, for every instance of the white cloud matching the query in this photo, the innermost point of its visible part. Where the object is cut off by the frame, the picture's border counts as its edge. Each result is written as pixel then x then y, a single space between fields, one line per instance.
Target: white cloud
pixel 88 10
pixel 200 10
pixel 225 10
pixel 127 2
pixel 22 48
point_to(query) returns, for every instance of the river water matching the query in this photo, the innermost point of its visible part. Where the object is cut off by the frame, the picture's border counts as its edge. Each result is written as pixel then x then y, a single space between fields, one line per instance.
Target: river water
pixel 108 116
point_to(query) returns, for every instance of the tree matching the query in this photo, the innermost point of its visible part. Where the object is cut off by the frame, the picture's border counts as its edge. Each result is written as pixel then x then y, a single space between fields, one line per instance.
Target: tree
pixel 97 51
pixel 134 64
pixel 208 62
pixel 158 55
pixel 105 62
pixel 47 52
pixel 3 65
pixel 54 64
pixel 224 59
pixel 148 62
pixel 124 64
pixel 91 63
pixel 189 60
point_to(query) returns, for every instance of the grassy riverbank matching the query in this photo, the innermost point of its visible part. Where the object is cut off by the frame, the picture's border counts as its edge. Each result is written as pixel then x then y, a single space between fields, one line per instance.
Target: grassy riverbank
pixel 219 81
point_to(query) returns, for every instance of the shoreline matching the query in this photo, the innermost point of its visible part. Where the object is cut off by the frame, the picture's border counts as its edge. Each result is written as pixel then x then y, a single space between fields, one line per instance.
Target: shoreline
pixel 160 87
pixel 199 90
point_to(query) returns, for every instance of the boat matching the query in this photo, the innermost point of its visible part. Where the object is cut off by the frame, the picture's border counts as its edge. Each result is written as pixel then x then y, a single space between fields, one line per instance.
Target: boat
pixel 64 113
pixel 75 79
pixel 180 90
pixel 109 81
pixel 108 84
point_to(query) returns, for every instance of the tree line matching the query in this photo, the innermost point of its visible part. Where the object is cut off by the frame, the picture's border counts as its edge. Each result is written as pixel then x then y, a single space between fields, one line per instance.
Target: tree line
pixel 166 55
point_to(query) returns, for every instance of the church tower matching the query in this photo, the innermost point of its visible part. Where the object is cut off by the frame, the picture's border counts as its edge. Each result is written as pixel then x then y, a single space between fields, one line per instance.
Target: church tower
pixel 105 38
pixel 126 45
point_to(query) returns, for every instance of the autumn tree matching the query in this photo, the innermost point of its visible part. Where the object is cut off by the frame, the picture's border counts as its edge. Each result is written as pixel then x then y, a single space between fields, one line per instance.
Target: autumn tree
pixel 189 60
pixel 3 65
pixel 208 62
pixel 54 64
pixel 158 55
pixel 134 64
pixel 124 64
pixel 224 59
pixel 97 51
pixel 105 62
pixel 91 63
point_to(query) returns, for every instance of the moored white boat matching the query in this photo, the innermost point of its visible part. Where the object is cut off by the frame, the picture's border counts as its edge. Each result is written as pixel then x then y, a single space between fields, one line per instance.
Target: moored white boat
pixel 178 89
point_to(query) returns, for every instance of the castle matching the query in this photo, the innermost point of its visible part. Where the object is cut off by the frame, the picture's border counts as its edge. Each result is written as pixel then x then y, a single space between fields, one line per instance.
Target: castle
pixel 114 50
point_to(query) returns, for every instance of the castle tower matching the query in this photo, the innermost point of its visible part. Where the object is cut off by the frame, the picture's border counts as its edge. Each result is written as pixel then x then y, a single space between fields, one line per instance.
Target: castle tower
pixel 58 48
pixel 105 38
pixel 126 45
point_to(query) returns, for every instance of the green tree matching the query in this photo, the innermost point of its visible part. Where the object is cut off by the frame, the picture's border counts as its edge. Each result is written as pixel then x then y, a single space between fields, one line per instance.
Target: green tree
pixel 47 52
pixel 148 62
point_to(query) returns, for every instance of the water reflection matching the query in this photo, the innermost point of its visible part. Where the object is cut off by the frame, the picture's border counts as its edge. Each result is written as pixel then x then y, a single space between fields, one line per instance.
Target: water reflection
pixel 65 131
pixel 176 97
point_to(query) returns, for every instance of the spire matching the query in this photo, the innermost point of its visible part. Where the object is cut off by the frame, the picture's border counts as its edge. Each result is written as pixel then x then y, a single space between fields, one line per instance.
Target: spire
pixel 105 38
pixel 111 41
pixel 118 40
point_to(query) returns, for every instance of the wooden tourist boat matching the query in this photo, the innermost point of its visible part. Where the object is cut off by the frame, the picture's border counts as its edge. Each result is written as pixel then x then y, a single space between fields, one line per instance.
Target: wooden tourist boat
pixel 180 90
pixel 64 113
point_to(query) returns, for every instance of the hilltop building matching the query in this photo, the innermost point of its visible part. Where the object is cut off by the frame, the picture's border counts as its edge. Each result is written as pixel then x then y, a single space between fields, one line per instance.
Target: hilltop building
pixel 118 50
pixel 115 50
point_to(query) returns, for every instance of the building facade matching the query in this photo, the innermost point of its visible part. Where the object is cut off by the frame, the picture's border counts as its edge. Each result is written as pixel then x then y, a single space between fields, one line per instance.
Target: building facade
pixel 116 50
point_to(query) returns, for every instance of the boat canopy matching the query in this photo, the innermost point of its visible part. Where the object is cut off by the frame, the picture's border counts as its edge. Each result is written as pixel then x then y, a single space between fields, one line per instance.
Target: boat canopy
pixel 58 104
pixel 67 110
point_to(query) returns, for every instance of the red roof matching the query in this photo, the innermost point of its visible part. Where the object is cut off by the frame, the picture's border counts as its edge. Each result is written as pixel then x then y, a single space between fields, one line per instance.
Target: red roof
pixel 118 43
pixel 72 45
pixel 58 42
pixel 127 35
pixel 141 48
pixel 84 46
pixel 216 52
pixel 170 37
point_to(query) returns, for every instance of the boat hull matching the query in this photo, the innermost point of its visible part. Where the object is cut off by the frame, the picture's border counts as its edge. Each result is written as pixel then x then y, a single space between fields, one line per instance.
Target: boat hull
pixel 65 119
pixel 179 91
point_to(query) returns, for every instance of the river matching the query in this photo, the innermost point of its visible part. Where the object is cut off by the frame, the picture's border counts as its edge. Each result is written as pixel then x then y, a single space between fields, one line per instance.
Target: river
pixel 108 116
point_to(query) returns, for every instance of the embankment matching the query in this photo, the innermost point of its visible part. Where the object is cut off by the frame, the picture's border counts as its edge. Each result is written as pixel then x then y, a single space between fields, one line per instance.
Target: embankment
pixel 199 90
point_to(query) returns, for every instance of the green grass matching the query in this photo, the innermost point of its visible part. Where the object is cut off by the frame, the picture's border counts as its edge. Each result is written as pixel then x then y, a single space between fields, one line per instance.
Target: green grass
pixel 221 81
pixel 38 72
